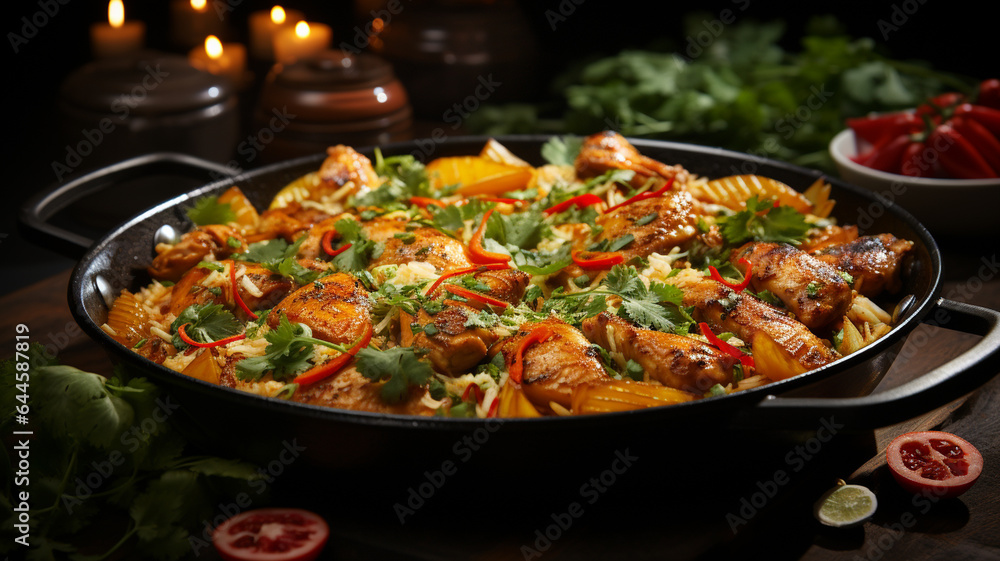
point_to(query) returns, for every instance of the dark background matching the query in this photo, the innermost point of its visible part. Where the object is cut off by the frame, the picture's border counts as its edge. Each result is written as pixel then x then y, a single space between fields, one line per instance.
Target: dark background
pixel 956 39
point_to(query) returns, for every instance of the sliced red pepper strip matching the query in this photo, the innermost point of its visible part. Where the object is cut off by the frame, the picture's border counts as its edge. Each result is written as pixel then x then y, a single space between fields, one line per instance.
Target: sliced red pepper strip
pixel 580 201
pixel 327 244
pixel 465 271
pixel 601 260
pixel 537 334
pixel 473 295
pixel 476 389
pixel 957 155
pixel 476 252
pixel 236 293
pixel 981 138
pixel 500 200
pixel 187 339
pixel 331 367
pixel 643 196
pixel 494 407
pixel 745 359
pixel 422 202
pixel 736 287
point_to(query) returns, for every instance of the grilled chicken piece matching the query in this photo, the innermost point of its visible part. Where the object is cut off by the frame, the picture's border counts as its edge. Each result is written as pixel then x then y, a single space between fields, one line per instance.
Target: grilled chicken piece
pixel 266 288
pixel 820 238
pixel 343 164
pixel 173 261
pixel 427 245
pixel 609 150
pixel 190 290
pixel 679 362
pixel 350 390
pixel 782 347
pixel 288 222
pixel 875 262
pixel 675 223
pixel 455 348
pixel 336 308
pixel 552 368
pixel 812 290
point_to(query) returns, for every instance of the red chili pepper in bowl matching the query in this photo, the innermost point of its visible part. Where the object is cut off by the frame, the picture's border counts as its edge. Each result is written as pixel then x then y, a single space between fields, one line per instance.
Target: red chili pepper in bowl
pixel 875 129
pixel 887 155
pixel 914 161
pixel 957 155
pixel 985 143
pixel 989 93
pixel 986 116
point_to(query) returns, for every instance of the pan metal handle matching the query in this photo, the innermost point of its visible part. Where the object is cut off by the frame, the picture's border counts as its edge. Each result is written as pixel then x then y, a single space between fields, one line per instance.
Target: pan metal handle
pixel 936 388
pixel 36 214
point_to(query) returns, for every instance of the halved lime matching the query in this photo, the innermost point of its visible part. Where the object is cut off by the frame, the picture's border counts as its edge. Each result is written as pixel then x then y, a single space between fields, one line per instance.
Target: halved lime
pixel 845 505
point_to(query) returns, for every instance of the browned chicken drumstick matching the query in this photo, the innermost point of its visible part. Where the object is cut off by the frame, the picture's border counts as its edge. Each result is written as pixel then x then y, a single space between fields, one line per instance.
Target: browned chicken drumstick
pixel 609 150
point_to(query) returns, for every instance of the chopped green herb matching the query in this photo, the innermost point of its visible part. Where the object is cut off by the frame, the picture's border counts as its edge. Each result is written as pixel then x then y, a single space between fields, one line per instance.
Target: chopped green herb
pixel 781 224
pixel 430 330
pixel 398 367
pixel 634 370
pixel 646 219
pixel 848 278
pixel 813 288
pixel 205 323
pixel 208 210
pixel 233 242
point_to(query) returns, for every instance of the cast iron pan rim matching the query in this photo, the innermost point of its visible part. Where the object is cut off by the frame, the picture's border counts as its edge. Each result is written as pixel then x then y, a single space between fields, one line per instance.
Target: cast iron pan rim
pixel 726 403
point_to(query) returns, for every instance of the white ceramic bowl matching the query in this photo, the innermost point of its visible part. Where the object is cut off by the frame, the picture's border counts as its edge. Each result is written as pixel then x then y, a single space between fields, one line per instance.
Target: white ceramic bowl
pixel 948 207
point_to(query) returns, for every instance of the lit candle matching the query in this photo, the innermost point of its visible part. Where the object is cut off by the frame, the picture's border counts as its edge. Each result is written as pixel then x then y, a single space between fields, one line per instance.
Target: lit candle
pixel 263 27
pixel 117 37
pixel 193 20
pixel 221 59
pixel 305 39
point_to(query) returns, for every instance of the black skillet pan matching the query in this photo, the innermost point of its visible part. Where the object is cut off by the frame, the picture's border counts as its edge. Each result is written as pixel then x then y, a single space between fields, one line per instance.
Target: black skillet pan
pixel 226 420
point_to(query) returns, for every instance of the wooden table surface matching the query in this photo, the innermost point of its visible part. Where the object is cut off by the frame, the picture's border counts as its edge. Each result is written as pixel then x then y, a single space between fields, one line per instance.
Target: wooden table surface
pixel 963 528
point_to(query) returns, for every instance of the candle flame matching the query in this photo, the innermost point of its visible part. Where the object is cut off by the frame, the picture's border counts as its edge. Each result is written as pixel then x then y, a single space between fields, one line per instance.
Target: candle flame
pixel 278 14
pixel 213 47
pixel 116 13
pixel 198 4
pixel 302 29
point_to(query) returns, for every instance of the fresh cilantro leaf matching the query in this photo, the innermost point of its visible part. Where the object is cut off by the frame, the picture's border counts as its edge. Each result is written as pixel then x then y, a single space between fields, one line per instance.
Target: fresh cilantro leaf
pixel 206 323
pixel 483 318
pixel 813 288
pixel 562 151
pixel 781 224
pixel 658 307
pixel 404 176
pixel 522 230
pixel 290 346
pixel 543 262
pixel 362 250
pixel 208 210
pixel 634 370
pixel 78 405
pixel 399 367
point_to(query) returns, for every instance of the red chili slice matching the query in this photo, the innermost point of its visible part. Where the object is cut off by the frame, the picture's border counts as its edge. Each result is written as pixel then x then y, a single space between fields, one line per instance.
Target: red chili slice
pixel 327 244
pixel 182 333
pixel 745 360
pixel 478 268
pixel 601 259
pixel 580 201
pixel 538 334
pixel 423 202
pixel 331 367
pixel 236 292
pixel 473 388
pixel 476 252
pixel 643 196
pixel 737 287
pixel 472 295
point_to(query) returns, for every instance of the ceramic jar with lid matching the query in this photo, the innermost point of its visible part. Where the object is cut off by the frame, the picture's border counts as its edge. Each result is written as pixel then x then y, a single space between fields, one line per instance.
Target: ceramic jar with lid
pixel 334 97
pixel 114 109
pixel 455 55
